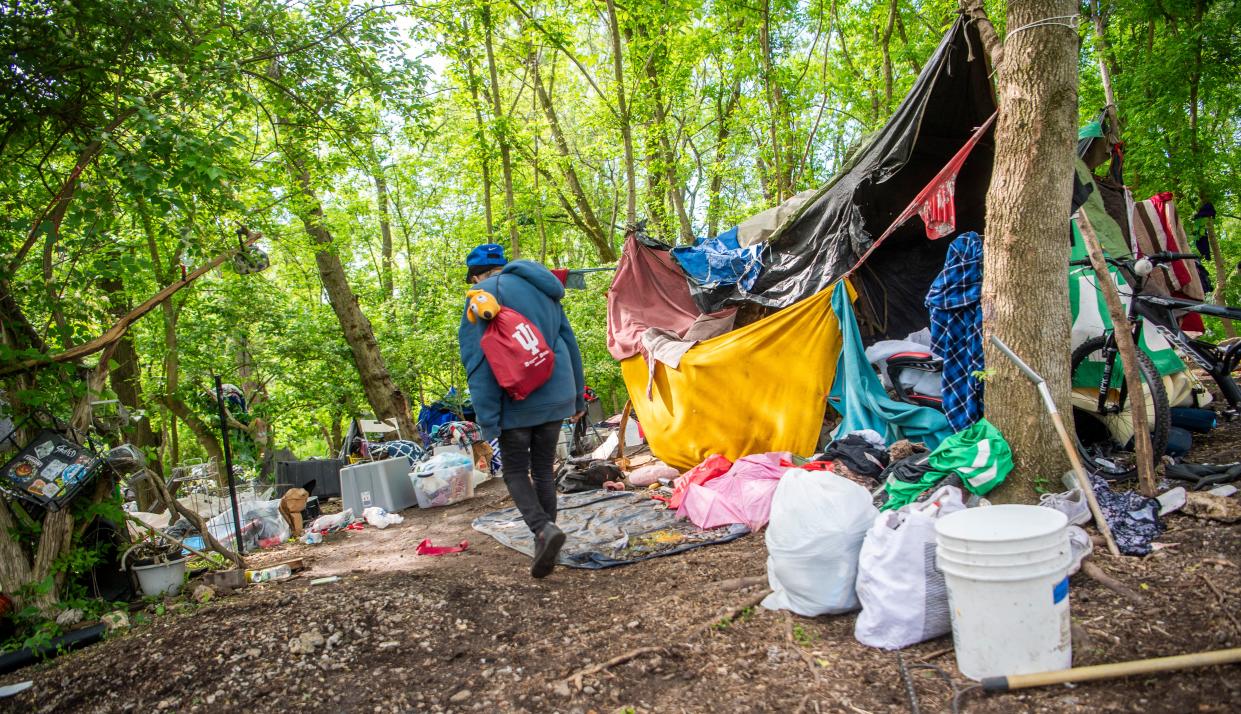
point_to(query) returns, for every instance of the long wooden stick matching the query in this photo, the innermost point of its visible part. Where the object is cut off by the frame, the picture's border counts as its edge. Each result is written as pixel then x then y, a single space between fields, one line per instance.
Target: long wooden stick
pixel 1108 671
pixel 1083 481
pixel 1143 451
pixel 117 330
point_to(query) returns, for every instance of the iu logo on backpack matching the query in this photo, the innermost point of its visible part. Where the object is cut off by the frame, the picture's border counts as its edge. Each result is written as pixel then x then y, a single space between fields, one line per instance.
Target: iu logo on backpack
pixel 518 354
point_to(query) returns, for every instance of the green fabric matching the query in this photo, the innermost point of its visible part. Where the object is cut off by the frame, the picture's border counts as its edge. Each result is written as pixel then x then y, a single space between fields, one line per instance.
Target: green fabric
pixel 1110 234
pixel 1093 130
pixel 978 454
pixel 1090 318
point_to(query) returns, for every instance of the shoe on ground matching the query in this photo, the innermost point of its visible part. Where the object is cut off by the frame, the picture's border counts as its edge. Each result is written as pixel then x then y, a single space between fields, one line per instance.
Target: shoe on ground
pixel 1071 503
pixel 547 544
pixel 1080 546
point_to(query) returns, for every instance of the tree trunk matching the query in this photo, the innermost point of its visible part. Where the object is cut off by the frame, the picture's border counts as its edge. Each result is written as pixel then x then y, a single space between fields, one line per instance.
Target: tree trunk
pixel 721 153
pixel 484 150
pixel 773 103
pixel 381 392
pixel 127 384
pixel 594 231
pixel 1221 276
pixel 501 121
pixel 199 428
pixel 618 67
pixel 667 158
pixel 886 46
pixel 385 232
pixel 1026 251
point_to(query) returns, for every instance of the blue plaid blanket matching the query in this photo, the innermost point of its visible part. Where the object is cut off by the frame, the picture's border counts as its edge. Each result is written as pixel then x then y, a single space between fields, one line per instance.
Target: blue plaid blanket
pixel 956 328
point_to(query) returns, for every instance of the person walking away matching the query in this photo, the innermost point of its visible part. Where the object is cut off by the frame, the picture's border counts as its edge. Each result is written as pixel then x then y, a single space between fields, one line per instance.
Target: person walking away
pixel 529 428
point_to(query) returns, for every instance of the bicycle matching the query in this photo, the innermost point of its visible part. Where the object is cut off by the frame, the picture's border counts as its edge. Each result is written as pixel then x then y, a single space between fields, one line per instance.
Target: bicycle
pixel 1102 455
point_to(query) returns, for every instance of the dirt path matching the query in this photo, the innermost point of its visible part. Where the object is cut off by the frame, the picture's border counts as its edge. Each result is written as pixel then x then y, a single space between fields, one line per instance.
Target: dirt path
pixel 473 632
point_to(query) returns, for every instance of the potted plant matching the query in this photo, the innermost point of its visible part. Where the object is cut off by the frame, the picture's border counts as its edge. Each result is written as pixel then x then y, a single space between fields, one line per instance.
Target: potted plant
pixel 158 564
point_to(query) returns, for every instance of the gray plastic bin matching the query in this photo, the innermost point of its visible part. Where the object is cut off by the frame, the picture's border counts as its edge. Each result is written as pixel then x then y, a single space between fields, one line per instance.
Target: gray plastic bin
pixel 378 483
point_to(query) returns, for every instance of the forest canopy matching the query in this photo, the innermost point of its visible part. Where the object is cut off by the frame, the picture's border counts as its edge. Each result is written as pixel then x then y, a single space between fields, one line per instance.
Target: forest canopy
pixel 373 144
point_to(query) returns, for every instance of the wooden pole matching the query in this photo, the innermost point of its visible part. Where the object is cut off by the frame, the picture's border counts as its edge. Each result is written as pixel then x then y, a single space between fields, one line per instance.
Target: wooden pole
pixel 1083 481
pixel 1122 333
pixel 1144 452
pixel 1108 671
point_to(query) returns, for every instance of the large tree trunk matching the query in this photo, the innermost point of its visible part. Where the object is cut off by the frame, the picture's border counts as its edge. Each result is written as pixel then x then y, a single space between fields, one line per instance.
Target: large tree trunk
pixel 722 132
pixel 127 384
pixel 1027 250
pixel 667 157
pixel 506 161
pixel 385 232
pixel 381 392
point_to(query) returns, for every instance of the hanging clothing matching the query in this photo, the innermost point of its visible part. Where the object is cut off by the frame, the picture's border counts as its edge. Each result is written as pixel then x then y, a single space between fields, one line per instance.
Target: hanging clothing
pixel 955 303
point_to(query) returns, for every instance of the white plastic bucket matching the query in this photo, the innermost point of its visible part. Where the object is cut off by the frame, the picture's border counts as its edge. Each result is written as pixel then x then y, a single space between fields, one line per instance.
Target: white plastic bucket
pixel 1008 592
pixel 161 578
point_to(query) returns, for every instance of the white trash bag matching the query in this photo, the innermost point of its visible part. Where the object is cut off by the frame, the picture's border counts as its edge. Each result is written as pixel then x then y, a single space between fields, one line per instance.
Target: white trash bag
pixel 818 521
pixel 904 598
pixel 380 518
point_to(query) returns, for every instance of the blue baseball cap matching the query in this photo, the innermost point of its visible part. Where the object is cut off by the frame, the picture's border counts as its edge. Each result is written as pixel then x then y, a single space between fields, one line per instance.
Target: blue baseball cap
pixel 487 255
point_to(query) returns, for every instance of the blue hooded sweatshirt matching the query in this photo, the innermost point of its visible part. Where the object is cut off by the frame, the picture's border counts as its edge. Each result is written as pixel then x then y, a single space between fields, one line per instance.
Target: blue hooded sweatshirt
pixel 532 290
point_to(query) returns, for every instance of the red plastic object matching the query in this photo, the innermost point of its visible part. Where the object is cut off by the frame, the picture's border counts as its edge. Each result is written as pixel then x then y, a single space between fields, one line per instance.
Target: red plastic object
pixel 425 548
pixel 714 466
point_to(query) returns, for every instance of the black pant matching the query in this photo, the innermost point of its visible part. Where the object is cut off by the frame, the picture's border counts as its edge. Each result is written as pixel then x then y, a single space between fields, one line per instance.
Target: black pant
pixel 529 456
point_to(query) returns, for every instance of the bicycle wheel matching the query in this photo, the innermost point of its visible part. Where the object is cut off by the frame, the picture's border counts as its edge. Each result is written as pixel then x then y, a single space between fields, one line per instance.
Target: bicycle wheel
pixel 1096 433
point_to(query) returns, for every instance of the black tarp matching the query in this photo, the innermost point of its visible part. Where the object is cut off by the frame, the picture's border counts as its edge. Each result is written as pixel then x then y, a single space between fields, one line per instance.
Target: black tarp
pixel 951 98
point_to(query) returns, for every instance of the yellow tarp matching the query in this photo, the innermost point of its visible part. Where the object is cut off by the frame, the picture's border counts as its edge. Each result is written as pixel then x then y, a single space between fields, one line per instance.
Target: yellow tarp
pixel 759 388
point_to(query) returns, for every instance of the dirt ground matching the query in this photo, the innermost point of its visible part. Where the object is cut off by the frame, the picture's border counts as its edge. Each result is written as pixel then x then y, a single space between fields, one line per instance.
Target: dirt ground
pixel 473 632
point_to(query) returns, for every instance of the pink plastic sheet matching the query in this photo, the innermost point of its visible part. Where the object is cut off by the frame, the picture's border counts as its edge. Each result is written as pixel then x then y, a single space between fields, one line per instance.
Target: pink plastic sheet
pixel 649 290
pixel 743 495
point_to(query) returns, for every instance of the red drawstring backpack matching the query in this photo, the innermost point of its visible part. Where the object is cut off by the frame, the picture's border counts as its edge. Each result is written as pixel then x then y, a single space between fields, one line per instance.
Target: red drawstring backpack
pixel 518 354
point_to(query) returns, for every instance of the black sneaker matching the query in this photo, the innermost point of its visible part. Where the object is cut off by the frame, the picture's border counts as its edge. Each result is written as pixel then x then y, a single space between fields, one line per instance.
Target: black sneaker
pixel 547 545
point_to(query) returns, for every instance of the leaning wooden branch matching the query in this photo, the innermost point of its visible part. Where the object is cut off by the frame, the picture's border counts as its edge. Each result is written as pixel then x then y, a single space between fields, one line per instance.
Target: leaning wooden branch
pixel 118 330
pixel 1096 574
pixel 1121 332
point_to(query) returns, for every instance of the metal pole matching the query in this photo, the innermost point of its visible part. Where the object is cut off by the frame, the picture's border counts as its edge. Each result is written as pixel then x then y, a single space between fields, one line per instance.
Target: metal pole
pixel 228 464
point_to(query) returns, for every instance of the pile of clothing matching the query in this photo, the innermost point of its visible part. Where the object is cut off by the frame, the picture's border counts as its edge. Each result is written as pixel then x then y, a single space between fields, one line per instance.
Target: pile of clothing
pixel 976 459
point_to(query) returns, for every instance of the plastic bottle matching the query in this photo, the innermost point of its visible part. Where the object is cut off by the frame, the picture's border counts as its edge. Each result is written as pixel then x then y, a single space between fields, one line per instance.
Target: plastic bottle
pixel 279 572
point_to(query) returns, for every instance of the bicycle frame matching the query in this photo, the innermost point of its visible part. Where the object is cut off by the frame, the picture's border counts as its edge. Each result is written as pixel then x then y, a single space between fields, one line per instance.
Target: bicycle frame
pixel 1160 311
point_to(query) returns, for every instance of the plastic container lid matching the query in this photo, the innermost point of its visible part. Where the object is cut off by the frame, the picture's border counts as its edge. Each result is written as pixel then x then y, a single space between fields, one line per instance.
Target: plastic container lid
pixel 1008 522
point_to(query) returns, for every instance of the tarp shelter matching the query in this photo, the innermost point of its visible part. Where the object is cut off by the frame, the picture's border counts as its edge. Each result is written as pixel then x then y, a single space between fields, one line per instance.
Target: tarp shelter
pixel 764 386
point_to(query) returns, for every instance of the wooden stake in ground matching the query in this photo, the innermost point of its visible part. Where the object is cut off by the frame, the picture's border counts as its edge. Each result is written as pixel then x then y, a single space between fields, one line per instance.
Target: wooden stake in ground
pixel 1147 483
pixel 1121 332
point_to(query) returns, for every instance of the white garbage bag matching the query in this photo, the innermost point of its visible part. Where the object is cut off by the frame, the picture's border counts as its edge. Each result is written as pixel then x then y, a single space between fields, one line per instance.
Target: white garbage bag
pixel 380 518
pixel 904 598
pixel 818 522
